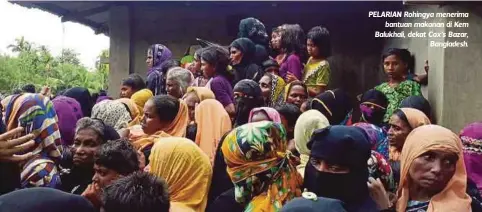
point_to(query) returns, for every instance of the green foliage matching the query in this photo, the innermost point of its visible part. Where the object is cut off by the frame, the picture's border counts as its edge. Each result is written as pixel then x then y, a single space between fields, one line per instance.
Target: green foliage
pixel 34 64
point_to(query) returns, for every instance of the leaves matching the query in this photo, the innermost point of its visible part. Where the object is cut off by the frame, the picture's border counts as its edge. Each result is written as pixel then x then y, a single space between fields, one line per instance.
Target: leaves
pixel 34 64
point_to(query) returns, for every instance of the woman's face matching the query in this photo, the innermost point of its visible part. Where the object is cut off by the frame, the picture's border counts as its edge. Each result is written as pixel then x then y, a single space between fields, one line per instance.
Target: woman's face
pixel 265 84
pixel 273 70
pixel 275 40
pixel 86 143
pixel 151 122
pixel 191 101
pixel 235 56
pixel 149 59
pixel 173 89
pixel 312 49
pixel 394 67
pixel 324 166
pixel 297 95
pixel 208 69
pixel 398 131
pixel 433 170
pixel 260 116
pixel 126 91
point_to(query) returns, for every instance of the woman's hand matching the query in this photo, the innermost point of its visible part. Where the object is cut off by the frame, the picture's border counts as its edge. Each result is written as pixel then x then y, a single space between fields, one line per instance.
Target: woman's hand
pixel 11 144
pixel 378 193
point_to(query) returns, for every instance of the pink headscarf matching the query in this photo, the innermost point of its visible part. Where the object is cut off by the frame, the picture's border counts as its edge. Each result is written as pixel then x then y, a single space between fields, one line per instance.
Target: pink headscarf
pixel 273 115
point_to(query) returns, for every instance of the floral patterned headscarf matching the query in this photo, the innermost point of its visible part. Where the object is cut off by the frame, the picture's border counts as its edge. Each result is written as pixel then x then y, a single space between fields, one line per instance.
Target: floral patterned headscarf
pixel 260 167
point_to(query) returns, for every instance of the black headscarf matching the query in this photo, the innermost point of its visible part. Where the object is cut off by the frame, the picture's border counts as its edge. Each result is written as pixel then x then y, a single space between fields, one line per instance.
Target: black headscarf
pixel 253 29
pixel 247 68
pixel 261 55
pixel 244 104
pixel 379 102
pixel 344 146
pixel 43 199
pixel 419 103
pixel 82 95
pixel 334 104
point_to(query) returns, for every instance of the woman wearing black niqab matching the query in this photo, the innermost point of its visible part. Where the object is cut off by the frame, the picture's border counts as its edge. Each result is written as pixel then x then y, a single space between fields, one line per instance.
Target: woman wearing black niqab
pixel 243 60
pixel 247 95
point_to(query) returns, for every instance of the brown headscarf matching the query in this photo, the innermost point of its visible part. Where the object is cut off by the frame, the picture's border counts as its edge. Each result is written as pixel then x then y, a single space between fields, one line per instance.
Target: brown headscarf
pixel 433 137
pixel 202 93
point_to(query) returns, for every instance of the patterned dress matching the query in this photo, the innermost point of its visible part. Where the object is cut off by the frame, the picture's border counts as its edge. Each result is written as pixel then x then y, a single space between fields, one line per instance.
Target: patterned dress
pixel 316 73
pixel 395 95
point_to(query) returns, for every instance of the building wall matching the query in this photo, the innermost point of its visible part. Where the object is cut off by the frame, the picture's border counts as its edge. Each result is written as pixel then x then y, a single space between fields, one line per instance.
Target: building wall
pixel 455 73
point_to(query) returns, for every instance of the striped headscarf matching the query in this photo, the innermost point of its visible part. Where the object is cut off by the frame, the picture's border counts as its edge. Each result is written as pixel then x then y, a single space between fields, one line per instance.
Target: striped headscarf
pixel 37 115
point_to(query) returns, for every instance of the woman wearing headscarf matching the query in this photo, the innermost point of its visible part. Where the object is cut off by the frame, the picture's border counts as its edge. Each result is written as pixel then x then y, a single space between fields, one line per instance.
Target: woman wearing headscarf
pixel 247 95
pixel 334 104
pixel 214 63
pixel 68 112
pixel 112 113
pixel 212 123
pixel 164 116
pixel 242 55
pixel 84 98
pixel 133 110
pixel 402 122
pixel 264 114
pixel 253 29
pixel 373 106
pixel 140 98
pixel 272 87
pixel 186 169
pixel 471 137
pixel 193 97
pixel 295 93
pixel 397 65
pixel 419 103
pixel 338 168
pixel 36 114
pixel 260 167
pixel 157 55
pixel 306 124
pixel 433 175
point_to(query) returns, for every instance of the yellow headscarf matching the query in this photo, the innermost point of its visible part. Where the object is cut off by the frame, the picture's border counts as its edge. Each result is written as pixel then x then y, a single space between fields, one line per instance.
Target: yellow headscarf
pixel 202 93
pixel 133 109
pixel 140 98
pixel 433 137
pixel 212 123
pixel 306 124
pixel 177 128
pixel 186 170
pixel 288 87
pixel 277 87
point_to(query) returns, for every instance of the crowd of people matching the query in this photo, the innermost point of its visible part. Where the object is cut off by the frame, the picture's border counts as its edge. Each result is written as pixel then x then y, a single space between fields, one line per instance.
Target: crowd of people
pixel 248 127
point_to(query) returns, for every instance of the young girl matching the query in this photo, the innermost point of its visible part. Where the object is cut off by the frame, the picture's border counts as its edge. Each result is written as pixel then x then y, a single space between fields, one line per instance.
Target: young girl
pixel 399 86
pixel 317 70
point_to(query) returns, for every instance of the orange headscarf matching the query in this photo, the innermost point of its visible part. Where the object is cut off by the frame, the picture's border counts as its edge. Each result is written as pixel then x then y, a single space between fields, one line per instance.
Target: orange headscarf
pixel 140 98
pixel 433 137
pixel 176 128
pixel 202 93
pixel 416 118
pixel 186 170
pixel 212 123
pixel 133 110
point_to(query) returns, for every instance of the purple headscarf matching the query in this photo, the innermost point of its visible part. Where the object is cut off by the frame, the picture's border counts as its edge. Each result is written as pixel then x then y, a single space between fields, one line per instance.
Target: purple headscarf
pixel 155 77
pixel 103 98
pixel 471 137
pixel 68 112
